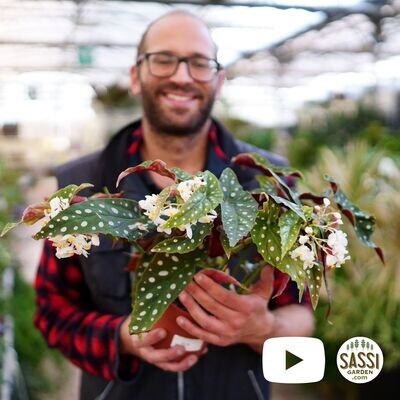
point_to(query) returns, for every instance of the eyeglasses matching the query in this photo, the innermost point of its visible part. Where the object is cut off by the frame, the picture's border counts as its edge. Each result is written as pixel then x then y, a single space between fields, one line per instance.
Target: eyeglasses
pixel 164 65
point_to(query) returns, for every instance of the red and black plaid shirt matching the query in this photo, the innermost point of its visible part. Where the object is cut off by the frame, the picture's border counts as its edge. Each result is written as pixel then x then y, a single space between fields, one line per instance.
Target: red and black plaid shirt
pixel 69 321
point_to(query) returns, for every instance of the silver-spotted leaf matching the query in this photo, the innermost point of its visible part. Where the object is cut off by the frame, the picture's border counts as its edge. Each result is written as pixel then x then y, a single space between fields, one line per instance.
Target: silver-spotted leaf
pixel 294 267
pixel 289 228
pixel 265 233
pixel 180 174
pixel 225 242
pixel 255 160
pixel 117 217
pixel 314 277
pixel 364 224
pixel 68 192
pixel 182 244
pixel 238 208
pixel 200 203
pixel 160 284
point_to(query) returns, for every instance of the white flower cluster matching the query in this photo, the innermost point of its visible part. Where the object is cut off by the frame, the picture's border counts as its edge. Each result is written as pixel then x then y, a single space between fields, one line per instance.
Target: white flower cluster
pixel 335 246
pixel 159 213
pixel 337 242
pixel 67 245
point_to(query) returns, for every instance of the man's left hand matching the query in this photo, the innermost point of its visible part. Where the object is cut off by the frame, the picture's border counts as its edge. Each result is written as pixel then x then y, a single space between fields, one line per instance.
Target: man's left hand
pixel 224 317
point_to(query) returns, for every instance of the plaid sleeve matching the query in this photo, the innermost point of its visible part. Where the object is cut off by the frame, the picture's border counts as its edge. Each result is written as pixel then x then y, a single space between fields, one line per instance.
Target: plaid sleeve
pixel 290 295
pixel 68 320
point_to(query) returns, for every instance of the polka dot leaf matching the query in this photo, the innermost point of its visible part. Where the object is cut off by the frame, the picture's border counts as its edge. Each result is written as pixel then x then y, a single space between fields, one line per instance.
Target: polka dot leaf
pixel 257 161
pixel 182 244
pixel 238 208
pixel 289 228
pixel 116 217
pixel 180 174
pixel 364 224
pixel 265 233
pixel 200 203
pixel 160 284
pixel 68 192
pixel 294 268
pixel 314 277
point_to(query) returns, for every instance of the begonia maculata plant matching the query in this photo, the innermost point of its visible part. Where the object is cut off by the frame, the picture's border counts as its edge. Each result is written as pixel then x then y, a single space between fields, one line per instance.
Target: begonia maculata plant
pixel 201 222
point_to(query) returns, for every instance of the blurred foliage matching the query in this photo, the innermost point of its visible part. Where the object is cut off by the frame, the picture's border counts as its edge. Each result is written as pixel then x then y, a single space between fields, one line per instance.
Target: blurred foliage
pixel 335 128
pixel 366 294
pixel 28 342
pixel 31 348
pixel 116 96
pixel 265 138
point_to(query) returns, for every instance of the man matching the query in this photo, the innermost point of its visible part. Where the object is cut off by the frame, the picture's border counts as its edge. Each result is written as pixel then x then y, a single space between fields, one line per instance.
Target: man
pixel 83 303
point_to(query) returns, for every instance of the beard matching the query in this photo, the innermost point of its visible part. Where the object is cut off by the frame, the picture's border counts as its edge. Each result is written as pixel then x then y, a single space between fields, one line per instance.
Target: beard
pixel 177 122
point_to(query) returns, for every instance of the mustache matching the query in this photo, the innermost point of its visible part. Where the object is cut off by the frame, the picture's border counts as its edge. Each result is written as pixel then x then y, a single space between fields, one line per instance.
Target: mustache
pixel 184 89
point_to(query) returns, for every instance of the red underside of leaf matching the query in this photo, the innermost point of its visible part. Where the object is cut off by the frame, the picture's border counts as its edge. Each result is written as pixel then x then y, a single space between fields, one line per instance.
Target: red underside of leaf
pixel 158 166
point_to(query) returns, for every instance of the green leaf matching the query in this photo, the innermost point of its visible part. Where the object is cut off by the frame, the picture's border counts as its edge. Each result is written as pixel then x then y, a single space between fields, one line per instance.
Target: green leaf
pixel 8 227
pixel 265 233
pixel 182 244
pixel 289 226
pixel 292 206
pixel 238 208
pixel 255 160
pixel 311 278
pixel 296 271
pixel 200 203
pixel 180 174
pixel 364 224
pixel 314 277
pixel 266 185
pixel 68 192
pixel 116 217
pixel 225 242
pixel 160 284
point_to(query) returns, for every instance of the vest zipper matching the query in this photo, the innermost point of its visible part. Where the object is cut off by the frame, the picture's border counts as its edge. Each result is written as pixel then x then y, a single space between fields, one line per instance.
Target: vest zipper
pixel 181 386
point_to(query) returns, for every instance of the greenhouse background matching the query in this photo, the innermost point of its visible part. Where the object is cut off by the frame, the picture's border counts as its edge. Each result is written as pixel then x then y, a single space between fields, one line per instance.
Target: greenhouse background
pixel 316 81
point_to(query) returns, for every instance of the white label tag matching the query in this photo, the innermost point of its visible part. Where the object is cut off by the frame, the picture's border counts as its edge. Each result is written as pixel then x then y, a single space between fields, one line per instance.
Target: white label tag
pixel 187 343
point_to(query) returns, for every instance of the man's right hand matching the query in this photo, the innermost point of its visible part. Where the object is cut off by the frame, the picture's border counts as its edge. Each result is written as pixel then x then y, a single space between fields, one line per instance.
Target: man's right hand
pixel 143 347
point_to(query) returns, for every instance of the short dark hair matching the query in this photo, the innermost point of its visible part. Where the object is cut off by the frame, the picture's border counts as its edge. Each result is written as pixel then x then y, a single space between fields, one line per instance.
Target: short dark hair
pixel 141 48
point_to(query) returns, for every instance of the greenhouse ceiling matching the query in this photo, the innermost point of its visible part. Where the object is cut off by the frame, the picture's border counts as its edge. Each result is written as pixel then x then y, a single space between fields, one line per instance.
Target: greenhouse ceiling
pixel 278 53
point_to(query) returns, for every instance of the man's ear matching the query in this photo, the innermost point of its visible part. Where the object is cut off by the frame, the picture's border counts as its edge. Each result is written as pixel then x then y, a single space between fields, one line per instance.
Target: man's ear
pixel 135 84
pixel 220 81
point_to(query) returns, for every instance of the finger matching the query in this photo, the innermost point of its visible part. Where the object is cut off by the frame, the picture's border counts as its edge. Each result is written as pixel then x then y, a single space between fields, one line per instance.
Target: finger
pixel 199 332
pixel 156 356
pixel 224 296
pixel 207 321
pixel 149 338
pixel 265 285
pixel 210 304
pixel 179 366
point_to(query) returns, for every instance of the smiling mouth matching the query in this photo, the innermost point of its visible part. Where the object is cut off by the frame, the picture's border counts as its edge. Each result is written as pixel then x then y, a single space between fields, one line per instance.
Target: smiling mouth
pixel 179 97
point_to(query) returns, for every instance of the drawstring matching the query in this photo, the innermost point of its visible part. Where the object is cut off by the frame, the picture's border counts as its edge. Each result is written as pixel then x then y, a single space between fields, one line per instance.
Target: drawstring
pixel 107 390
pixel 181 386
pixel 255 384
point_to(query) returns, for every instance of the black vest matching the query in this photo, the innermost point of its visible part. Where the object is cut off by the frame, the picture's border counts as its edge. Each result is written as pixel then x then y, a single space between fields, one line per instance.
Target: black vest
pixel 224 373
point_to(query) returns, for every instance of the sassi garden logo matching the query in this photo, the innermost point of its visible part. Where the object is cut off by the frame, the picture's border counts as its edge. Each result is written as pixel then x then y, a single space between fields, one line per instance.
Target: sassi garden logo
pixel 360 359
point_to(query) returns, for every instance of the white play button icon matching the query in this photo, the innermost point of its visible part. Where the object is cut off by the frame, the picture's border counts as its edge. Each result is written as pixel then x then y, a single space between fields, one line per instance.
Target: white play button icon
pixel 293 360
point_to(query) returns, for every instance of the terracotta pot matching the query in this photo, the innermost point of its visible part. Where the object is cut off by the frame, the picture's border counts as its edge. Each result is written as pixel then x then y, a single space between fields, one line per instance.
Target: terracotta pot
pixel 175 334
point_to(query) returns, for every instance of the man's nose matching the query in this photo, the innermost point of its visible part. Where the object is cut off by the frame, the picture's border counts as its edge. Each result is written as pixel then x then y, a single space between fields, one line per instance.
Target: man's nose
pixel 182 73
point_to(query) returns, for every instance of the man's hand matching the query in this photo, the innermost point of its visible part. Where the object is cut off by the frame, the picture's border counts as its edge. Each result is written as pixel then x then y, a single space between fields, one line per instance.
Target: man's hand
pixel 225 317
pixel 142 347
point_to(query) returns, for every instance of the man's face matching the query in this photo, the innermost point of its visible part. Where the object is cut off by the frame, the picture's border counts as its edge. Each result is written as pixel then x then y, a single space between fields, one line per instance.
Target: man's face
pixel 177 105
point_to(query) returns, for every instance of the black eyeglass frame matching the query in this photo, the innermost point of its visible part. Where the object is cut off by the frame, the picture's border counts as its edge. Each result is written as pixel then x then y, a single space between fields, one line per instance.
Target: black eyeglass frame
pixel 145 56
